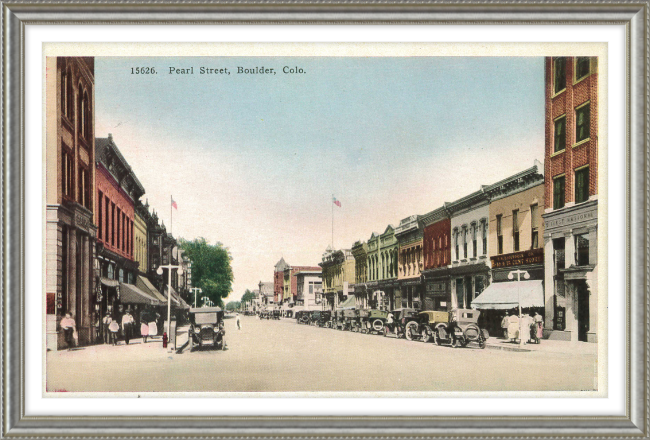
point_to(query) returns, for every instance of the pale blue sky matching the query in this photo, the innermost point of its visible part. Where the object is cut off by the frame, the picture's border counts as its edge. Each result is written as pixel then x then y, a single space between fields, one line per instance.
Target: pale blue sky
pixel 252 160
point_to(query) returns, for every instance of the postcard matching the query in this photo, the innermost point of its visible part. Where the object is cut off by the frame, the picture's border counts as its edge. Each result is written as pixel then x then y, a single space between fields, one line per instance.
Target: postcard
pixel 359 223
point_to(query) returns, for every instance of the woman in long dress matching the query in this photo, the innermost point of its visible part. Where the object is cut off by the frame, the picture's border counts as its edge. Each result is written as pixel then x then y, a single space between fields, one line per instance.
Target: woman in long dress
pixel 144 331
pixel 513 327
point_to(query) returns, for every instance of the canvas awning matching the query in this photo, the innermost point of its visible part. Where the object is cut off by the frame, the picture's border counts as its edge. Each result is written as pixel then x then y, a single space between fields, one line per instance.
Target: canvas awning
pixel 108 282
pixel 130 294
pixel 175 301
pixel 145 285
pixel 349 303
pixel 509 295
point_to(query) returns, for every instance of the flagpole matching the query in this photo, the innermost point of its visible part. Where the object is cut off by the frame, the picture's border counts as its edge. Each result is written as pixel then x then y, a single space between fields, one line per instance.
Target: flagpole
pixel 332 221
pixel 171 215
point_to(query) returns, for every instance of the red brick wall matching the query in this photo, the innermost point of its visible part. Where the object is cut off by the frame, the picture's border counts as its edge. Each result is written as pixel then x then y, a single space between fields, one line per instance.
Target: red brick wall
pixel 109 189
pixel 435 255
pixel 573 157
pixel 294 280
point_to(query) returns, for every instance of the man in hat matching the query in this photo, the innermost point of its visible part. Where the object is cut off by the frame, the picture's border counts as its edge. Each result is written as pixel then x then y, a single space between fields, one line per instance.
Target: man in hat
pixel 106 322
pixel 127 325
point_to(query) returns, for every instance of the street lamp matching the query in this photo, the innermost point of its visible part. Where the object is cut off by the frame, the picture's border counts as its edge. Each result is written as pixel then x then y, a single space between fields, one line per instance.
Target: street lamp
pixel 159 271
pixel 196 289
pixel 511 276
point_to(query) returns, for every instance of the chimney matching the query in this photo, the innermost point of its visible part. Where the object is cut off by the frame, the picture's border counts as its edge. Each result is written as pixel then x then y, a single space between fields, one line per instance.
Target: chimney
pixel 110 136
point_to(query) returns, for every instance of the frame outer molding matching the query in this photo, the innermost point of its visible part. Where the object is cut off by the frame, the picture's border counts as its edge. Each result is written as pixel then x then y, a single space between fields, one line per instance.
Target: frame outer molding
pixel 636 17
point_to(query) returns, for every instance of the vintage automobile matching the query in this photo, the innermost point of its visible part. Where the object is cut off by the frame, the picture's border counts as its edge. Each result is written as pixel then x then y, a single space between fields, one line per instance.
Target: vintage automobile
pixel 276 314
pixel 423 328
pixel 401 318
pixel 351 320
pixel 461 329
pixel 302 317
pixel 206 328
pixel 265 314
pixel 324 319
pixel 373 321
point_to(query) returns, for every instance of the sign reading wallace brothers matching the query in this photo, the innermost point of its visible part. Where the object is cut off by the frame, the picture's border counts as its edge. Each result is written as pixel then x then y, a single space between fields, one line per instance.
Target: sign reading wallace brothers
pixel 532 256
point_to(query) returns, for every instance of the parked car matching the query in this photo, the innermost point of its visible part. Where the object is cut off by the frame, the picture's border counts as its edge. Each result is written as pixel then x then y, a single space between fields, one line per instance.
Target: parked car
pixel 461 329
pixel 423 328
pixel 401 318
pixel 373 321
pixel 351 320
pixel 206 328
pixel 276 314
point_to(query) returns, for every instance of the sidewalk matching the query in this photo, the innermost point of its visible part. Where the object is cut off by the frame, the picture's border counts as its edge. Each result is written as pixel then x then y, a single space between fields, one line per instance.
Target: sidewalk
pixel 545 346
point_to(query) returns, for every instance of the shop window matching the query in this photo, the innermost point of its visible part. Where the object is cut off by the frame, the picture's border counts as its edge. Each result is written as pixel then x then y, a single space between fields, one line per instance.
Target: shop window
pixel 582 67
pixel 499 235
pixel 582 123
pixel 515 230
pixel 559 74
pixel 582 249
pixel 558 192
pixel 534 226
pixel 582 185
pixel 559 135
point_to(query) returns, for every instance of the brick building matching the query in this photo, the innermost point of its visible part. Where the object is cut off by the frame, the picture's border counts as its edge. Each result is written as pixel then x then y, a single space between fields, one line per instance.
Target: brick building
pixel 571 198
pixel 70 176
pixel 436 246
pixel 278 281
pixel 410 233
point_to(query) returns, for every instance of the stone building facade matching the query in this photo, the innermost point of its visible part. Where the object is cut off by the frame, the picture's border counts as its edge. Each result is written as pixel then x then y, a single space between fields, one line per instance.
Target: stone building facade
pixel 571 198
pixel 70 220
pixel 338 275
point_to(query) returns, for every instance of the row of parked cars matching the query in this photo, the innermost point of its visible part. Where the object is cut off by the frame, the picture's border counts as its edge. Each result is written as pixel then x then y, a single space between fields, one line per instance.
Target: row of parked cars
pixel 457 328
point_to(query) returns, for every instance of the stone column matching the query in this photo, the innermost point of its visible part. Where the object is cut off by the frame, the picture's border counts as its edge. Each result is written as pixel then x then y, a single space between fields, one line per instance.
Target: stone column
pixel 592 284
pixel 569 249
pixel 549 283
pixel 571 292
pixel 72 305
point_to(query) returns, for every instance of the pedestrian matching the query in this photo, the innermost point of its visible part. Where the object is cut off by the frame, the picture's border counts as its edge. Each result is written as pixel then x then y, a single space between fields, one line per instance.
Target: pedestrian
pixel 106 322
pixel 69 327
pixel 127 325
pixel 539 323
pixel 513 326
pixel 144 331
pixel 238 322
pixel 113 328
pixel 504 325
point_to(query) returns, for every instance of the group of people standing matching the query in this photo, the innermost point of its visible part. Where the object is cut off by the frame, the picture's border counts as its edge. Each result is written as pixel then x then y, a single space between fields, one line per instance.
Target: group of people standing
pixel 111 328
pixel 531 326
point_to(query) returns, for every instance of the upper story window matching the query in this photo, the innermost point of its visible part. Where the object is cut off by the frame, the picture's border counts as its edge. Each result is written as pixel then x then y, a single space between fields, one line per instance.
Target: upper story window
pixel 464 241
pixel 582 68
pixel 84 188
pixel 456 244
pixel 582 185
pixel 67 172
pixel 534 226
pixel 582 249
pixel 515 230
pixel 559 134
pixel 474 243
pixel 100 217
pixel 499 234
pixel 485 234
pixel 582 123
pixel 558 192
pixel 559 74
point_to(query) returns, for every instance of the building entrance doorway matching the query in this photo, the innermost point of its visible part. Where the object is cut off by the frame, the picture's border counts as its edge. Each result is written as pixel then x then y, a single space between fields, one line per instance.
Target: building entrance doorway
pixel 583 311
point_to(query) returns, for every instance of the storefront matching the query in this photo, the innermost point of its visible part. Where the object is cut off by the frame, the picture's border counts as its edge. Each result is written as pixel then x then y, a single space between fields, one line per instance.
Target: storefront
pixel 438 290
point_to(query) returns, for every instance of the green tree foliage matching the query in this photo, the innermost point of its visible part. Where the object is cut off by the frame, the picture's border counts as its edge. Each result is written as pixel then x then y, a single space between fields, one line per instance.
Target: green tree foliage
pixel 211 268
pixel 233 305
pixel 248 295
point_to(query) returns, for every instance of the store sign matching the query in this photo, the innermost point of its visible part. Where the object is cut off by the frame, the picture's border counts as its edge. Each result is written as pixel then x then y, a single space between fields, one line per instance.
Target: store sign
pixel 533 256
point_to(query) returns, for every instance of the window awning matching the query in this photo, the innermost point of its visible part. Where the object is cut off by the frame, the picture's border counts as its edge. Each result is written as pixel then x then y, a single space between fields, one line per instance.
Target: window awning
pixel 349 303
pixel 130 294
pixel 508 295
pixel 108 282
pixel 145 285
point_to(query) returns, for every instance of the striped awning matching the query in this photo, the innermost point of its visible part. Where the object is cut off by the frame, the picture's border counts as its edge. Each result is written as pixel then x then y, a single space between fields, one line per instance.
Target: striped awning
pixel 130 294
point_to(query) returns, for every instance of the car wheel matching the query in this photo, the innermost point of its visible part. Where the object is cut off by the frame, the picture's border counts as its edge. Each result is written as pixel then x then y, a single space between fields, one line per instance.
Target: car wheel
pixel 411 330
pixel 426 334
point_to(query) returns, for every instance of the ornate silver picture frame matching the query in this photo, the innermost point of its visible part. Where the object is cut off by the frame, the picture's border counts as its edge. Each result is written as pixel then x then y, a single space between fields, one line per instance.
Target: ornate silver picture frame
pixel 634 17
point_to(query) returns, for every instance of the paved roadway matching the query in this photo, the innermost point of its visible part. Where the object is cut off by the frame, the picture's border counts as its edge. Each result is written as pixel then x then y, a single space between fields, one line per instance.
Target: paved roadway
pixel 268 356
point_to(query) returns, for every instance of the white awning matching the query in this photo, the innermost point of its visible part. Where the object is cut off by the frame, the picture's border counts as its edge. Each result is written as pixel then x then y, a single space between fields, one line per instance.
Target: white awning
pixel 509 295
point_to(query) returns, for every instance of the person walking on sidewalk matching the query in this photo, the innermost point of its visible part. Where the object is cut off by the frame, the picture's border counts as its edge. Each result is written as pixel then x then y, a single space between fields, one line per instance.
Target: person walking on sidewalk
pixel 113 328
pixel 69 327
pixel 504 325
pixel 127 326
pixel 106 322
pixel 238 322
pixel 144 331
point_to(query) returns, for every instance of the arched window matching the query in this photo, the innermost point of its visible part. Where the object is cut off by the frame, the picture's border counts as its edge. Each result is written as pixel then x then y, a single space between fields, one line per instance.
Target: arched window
pixel 80 115
pixel 86 116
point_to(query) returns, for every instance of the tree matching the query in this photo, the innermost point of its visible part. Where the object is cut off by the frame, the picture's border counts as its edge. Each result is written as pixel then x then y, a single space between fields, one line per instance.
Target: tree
pixel 233 305
pixel 247 296
pixel 211 268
